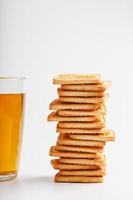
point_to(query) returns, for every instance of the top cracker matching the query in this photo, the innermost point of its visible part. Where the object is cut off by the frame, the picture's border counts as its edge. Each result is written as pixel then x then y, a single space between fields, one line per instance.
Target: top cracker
pixel 77 79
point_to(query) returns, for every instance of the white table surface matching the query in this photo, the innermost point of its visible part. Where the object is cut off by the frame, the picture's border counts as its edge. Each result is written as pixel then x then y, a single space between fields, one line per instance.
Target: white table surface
pixel 42 187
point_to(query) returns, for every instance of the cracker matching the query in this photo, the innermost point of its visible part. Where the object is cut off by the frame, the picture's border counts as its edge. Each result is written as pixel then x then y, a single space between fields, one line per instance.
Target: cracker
pixel 95 173
pixel 77 179
pixel 79 131
pixel 57 105
pixel 67 154
pixel 60 166
pixel 107 135
pixel 78 113
pixel 64 139
pixel 88 149
pixel 65 93
pixel 55 117
pixel 77 79
pixel 81 125
pixel 82 161
pixel 86 87
pixel 93 100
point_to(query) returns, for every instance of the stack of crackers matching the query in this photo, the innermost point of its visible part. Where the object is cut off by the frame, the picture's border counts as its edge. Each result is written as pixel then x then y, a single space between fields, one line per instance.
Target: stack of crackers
pixel 80 113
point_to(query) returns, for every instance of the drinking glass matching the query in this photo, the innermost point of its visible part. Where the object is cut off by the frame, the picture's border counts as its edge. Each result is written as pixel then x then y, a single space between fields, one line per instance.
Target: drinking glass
pixel 11 123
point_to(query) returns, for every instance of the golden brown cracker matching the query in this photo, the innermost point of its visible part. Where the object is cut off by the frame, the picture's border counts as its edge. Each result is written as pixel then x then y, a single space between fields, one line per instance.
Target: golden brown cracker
pixel 55 117
pixel 81 125
pixel 60 166
pixel 82 161
pixel 77 79
pixel 107 135
pixel 87 100
pixel 95 173
pixel 88 149
pixel 68 154
pixel 79 130
pixel 64 139
pixel 81 113
pixel 65 93
pixel 77 179
pixel 86 87
pixel 57 105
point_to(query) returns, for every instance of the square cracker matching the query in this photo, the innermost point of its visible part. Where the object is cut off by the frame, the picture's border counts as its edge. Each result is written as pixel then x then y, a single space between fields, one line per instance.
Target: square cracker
pixel 77 179
pixel 81 125
pixel 70 154
pixel 58 105
pixel 95 172
pixel 84 149
pixel 83 161
pixel 77 79
pixel 81 113
pixel 73 93
pixel 61 166
pixel 107 135
pixel 87 100
pixel 80 131
pixel 64 139
pixel 55 117
pixel 87 87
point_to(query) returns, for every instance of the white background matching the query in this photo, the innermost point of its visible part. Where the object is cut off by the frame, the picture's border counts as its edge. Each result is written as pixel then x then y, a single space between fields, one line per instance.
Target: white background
pixel 39 39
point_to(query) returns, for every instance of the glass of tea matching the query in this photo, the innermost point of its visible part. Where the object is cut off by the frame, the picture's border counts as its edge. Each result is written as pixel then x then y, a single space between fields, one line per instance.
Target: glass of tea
pixel 11 124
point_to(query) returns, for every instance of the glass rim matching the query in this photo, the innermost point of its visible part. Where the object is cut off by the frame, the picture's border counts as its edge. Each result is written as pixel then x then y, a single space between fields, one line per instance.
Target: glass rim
pixel 12 78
